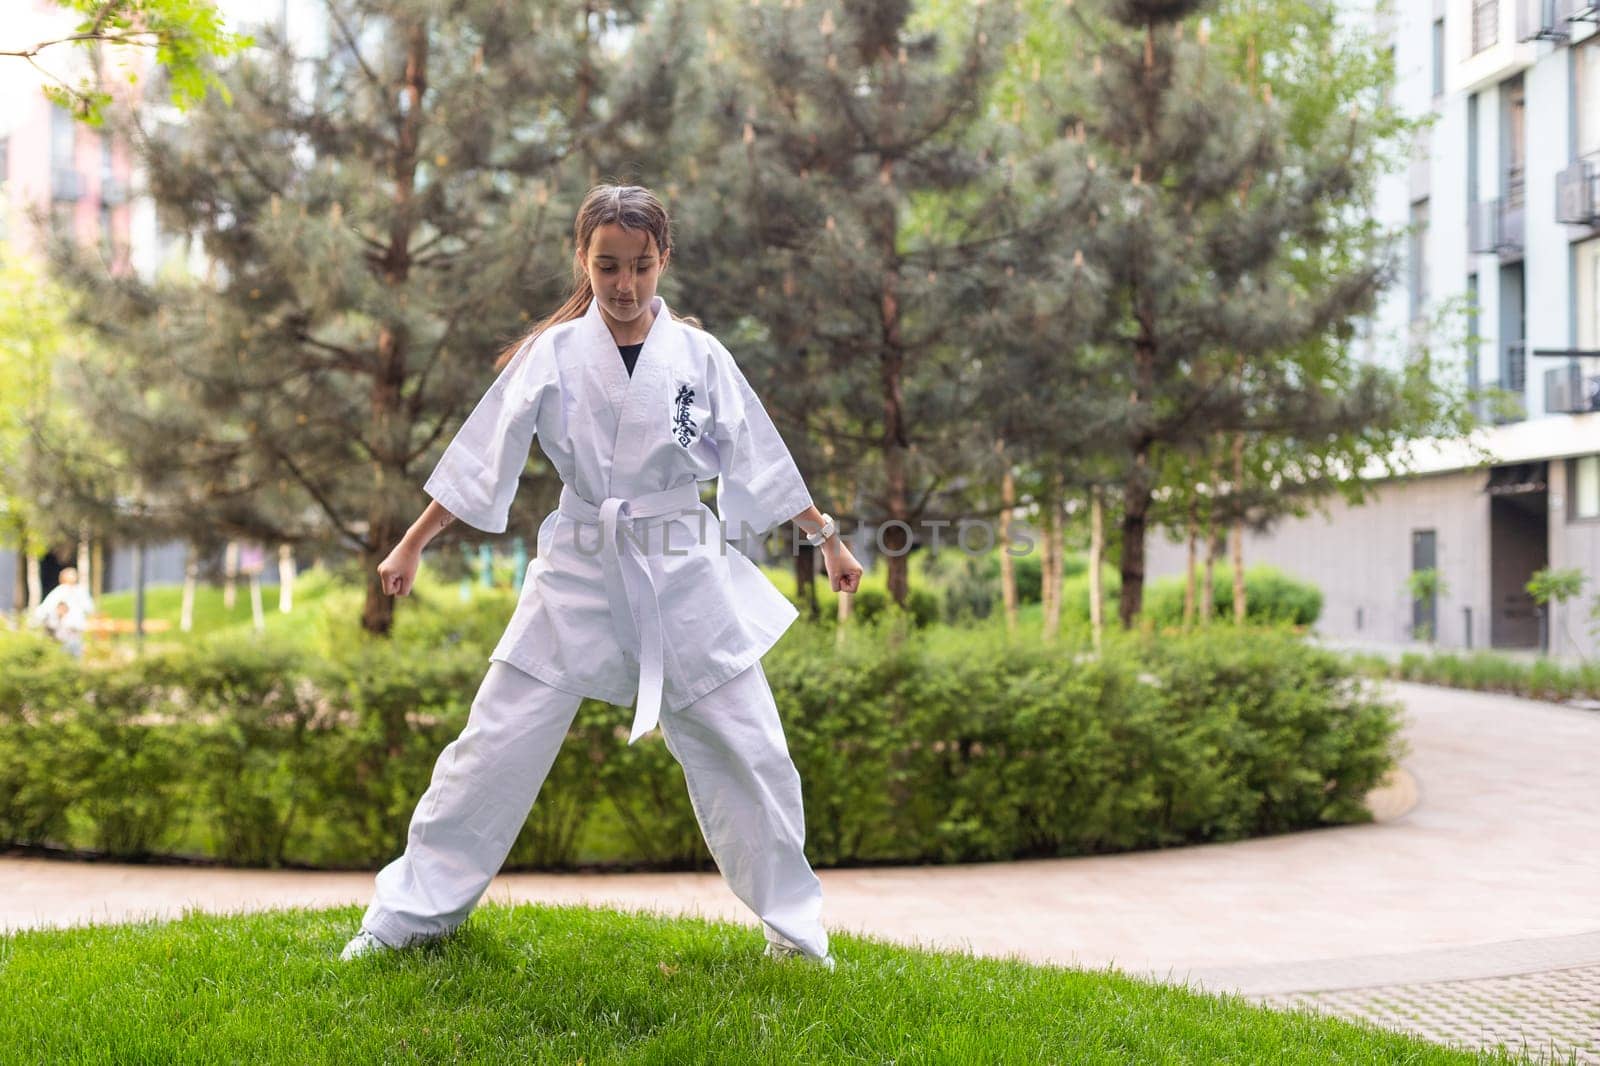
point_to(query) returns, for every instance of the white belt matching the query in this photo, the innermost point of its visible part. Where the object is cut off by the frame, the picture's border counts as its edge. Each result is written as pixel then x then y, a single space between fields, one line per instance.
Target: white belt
pixel 629 585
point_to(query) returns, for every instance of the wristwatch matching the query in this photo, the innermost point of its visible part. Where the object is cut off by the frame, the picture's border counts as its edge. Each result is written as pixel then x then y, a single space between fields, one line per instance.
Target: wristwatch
pixel 828 529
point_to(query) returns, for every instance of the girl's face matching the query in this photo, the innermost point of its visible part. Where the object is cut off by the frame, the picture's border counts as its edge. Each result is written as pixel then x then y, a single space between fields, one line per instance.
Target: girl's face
pixel 624 266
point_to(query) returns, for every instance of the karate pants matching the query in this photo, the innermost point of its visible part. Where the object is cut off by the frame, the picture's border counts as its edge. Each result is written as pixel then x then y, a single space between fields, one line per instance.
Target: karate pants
pixel 742 784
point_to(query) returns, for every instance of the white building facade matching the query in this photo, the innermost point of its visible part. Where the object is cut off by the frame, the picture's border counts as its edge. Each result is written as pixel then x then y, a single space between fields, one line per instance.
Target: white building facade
pixel 1502 200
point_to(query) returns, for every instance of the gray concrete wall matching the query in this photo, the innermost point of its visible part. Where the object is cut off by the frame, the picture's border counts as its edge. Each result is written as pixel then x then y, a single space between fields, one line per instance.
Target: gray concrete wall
pixel 1574 542
pixel 1360 558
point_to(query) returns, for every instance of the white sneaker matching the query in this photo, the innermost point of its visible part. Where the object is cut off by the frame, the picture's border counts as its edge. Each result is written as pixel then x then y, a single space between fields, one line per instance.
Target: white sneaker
pixel 781 951
pixel 363 943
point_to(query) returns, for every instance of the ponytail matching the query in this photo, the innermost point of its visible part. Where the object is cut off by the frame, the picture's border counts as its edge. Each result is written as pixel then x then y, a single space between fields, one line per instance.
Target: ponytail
pixel 633 207
pixel 576 306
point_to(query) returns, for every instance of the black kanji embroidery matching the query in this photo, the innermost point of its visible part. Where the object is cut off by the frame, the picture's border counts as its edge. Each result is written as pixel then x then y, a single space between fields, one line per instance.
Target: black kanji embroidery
pixel 683 426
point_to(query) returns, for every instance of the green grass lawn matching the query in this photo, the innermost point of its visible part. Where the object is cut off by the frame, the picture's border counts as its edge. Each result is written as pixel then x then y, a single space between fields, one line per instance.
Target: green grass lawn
pixel 165 602
pixel 569 985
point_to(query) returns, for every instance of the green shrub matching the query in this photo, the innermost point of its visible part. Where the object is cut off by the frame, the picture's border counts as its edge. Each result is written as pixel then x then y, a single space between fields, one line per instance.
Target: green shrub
pixel 915 743
pixel 1545 679
pixel 40 686
pixel 1271 597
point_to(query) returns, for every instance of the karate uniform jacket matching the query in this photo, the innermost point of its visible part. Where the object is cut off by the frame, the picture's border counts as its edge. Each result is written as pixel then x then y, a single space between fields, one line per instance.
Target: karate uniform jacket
pixel 637 593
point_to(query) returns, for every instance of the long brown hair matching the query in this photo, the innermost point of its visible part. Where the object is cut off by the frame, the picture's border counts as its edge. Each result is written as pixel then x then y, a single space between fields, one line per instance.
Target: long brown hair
pixel 630 206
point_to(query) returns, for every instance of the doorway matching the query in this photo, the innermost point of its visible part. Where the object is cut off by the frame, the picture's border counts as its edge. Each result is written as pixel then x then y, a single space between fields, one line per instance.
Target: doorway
pixel 1519 545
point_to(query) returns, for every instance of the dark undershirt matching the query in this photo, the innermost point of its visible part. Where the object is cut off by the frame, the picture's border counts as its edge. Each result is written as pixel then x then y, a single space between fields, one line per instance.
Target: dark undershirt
pixel 630 355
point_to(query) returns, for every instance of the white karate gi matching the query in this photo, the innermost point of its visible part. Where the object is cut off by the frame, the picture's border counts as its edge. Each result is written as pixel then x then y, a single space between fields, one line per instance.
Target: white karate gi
pixel 634 597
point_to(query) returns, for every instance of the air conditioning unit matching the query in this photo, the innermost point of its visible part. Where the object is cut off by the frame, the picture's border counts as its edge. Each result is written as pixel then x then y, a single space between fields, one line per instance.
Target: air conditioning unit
pixel 1578 193
pixel 1541 20
pixel 1569 390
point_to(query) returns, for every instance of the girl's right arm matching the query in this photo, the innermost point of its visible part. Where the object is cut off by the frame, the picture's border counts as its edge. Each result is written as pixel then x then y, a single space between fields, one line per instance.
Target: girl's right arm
pixel 399 571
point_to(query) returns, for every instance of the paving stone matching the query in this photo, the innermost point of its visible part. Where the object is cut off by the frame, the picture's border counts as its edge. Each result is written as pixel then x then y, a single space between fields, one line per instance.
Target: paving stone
pixel 1552 1016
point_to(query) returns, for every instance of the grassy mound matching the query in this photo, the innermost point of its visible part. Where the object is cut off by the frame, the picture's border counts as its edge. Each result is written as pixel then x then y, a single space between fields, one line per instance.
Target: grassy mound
pixel 548 984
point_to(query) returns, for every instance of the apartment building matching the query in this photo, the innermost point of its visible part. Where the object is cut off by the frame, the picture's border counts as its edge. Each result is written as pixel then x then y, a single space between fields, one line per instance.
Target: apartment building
pixel 1502 202
pixel 57 174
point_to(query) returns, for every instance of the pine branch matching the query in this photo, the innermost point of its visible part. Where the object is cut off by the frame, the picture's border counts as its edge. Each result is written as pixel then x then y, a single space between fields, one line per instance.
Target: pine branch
pixel 377 83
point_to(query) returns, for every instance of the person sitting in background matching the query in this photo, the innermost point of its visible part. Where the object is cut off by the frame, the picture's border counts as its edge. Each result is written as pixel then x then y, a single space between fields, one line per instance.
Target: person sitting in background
pixel 64 612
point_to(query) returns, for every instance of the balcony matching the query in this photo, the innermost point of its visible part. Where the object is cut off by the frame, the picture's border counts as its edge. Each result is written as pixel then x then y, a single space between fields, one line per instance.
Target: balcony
pixel 1542 20
pixel 1580 10
pixel 1505 399
pixel 65 184
pixel 1578 192
pixel 1495 227
pixel 1571 390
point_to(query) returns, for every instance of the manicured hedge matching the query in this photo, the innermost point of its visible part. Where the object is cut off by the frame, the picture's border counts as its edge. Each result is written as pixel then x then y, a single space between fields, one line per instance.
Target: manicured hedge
pixel 933 744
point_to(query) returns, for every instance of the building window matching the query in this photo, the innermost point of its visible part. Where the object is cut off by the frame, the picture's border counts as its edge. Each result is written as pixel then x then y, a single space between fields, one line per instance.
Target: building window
pixel 1485 24
pixel 1586 70
pixel 1418 256
pixel 63 138
pixel 1585 474
pixel 1516 145
pixel 1474 341
pixel 1438 58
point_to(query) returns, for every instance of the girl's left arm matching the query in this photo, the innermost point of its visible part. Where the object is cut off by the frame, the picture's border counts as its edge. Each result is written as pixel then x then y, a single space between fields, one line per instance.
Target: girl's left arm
pixel 844 573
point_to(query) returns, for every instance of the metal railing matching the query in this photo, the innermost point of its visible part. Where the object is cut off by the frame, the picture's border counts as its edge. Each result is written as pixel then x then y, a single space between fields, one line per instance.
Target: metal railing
pixel 1505 399
pixel 1485 24
pixel 1578 192
pixel 1542 20
pixel 1514 366
pixel 1495 226
pixel 1570 390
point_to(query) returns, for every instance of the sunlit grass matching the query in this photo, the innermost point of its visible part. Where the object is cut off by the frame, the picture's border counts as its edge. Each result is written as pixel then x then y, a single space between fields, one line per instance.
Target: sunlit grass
pixel 547 984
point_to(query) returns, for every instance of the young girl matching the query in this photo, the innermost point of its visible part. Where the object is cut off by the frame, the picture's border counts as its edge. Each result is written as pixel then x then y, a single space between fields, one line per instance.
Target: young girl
pixel 628 600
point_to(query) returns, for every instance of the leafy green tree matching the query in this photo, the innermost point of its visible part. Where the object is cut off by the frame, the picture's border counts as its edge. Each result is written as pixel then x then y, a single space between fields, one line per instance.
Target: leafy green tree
pixel 185 35
pixel 42 442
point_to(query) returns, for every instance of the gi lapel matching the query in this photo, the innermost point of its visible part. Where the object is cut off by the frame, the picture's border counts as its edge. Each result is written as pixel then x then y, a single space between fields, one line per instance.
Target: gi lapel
pixel 643 405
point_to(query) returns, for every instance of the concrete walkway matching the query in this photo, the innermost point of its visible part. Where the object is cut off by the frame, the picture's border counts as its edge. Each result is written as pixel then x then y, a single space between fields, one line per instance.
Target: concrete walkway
pixel 1485 865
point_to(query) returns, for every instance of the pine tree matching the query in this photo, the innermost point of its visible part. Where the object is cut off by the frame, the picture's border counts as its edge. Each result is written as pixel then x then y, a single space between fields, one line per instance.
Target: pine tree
pixel 1199 248
pixel 379 218
pixel 844 171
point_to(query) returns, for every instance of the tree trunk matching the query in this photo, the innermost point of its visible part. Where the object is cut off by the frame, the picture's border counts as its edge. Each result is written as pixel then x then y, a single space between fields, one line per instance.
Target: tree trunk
pixel 384 528
pixel 97 562
pixel 842 617
pixel 805 583
pixel 1008 569
pixel 286 576
pixel 1097 547
pixel 891 381
pixel 1138 487
pixel 1135 509
pixel 34 580
pixel 896 540
pixel 84 560
pixel 1208 601
pixel 1239 605
pixel 1051 569
pixel 191 579
pixel 1193 530
pixel 230 573
pixel 19 591
pixel 258 619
